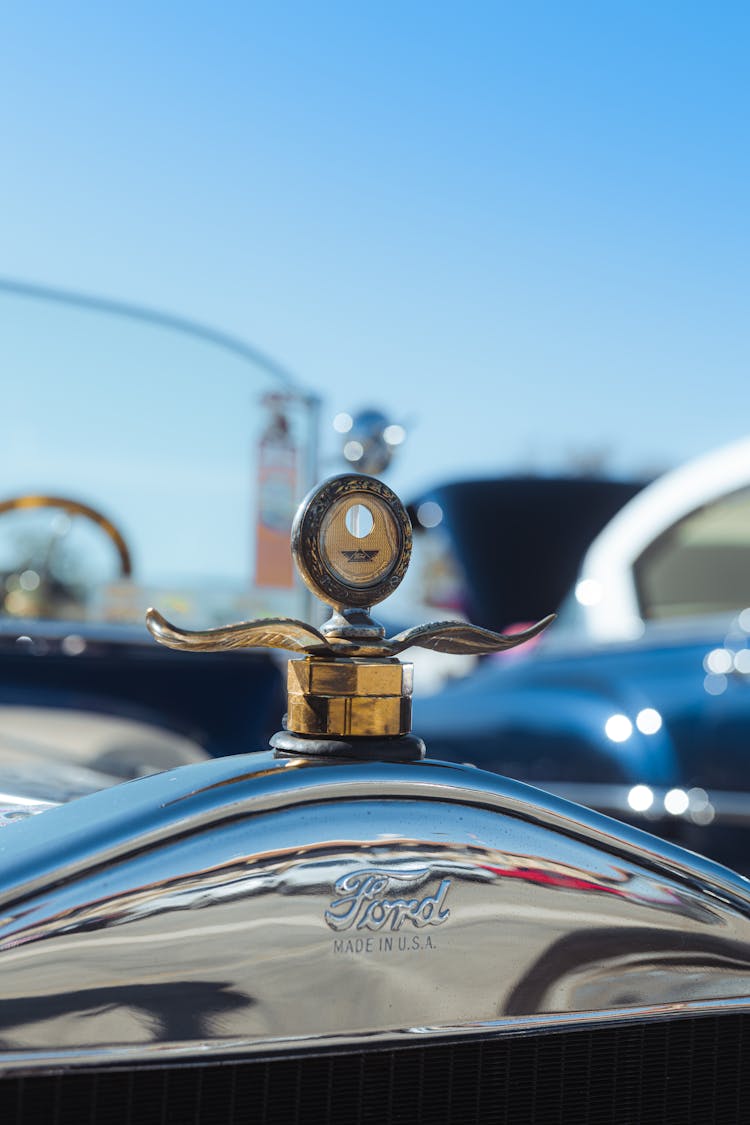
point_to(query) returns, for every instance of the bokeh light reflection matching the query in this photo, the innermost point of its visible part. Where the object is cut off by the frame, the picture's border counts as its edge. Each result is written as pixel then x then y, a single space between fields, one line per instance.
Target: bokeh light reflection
pixel 719 661
pixel 648 721
pixel 618 728
pixel 394 434
pixel 354 451
pixel 640 798
pixel 429 514
pixel 588 591
pixel 676 802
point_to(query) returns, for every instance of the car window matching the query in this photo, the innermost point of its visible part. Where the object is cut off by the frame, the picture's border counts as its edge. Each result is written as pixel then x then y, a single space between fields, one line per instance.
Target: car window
pixel 701 565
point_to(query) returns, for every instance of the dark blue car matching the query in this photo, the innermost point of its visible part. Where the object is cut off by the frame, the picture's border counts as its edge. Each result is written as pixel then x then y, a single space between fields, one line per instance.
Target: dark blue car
pixel 638 701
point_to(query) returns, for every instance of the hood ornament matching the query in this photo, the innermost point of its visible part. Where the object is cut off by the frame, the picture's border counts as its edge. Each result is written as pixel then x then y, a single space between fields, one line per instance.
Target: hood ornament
pixel 351 542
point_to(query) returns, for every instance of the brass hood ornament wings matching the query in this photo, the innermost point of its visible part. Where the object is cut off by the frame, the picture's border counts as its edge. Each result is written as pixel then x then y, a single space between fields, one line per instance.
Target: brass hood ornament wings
pixel 351 541
pixel 269 632
pixel 456 637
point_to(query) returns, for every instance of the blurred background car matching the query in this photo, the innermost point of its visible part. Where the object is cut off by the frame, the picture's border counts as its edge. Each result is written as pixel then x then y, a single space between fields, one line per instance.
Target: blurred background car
pixel 507 551
pixel 637 701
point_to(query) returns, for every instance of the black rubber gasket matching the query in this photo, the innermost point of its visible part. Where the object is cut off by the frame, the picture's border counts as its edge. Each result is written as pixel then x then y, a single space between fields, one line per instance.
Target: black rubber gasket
pixel 401 748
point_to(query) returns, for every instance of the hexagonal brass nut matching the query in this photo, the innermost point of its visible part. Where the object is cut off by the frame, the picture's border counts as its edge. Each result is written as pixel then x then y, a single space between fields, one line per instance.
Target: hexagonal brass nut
pixel 349 698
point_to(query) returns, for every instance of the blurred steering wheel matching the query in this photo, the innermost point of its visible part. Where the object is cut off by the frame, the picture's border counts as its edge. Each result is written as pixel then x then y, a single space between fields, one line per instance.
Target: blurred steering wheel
pixel 47 594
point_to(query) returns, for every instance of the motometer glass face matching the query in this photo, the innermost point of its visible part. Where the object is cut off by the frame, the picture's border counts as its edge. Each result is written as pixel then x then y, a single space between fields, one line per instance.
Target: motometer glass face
pixel 351 541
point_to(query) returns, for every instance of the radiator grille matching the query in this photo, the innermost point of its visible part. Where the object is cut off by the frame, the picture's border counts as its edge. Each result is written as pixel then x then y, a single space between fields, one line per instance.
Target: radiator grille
pixel 675 1071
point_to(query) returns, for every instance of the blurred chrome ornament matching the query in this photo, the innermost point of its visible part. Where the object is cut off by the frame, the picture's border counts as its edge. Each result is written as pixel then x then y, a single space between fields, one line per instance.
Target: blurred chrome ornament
pixel 351 542
pixel 370 439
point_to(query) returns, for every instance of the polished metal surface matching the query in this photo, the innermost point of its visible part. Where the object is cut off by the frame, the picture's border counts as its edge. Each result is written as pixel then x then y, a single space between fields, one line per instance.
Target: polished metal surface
pixel 14 808
pixel 248 904
pixel 452 637
pixel 349 698
pixel 269 632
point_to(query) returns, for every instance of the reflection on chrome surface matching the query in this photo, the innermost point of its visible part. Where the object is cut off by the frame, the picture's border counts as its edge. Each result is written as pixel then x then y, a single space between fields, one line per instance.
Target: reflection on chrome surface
pixel 236 904
pixel 14 808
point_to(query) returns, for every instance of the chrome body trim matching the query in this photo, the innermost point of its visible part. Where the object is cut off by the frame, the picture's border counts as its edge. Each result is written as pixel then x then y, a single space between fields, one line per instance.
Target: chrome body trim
pixel 195 797
pixel 257 904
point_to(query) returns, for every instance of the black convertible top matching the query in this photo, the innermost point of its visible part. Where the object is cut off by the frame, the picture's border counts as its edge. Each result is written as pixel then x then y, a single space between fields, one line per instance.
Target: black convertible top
pixel 520 540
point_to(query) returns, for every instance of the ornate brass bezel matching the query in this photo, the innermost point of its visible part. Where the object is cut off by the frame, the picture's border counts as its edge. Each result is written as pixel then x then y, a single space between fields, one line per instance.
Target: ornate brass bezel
pixel 306 543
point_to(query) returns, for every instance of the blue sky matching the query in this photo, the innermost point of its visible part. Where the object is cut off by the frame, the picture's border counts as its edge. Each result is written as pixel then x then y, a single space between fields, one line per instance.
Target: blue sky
pixel 523 226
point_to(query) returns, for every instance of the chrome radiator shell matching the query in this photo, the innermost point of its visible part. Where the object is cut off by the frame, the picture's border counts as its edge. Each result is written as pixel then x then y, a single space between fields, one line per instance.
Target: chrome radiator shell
pixel 253 904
